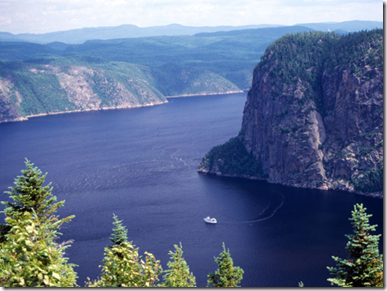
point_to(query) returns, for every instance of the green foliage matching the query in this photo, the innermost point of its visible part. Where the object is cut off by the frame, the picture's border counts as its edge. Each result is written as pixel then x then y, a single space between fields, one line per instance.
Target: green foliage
pixel 110 76
pixel 363 266
pixel 29 255
pixel 352 48
pixel 226 275
pixel 122 265
pixel 177 79
pixel 178 274
pixel 29 195
pixel 297 57
pixel 16 51
pixel 170 65
pixel 41 92
pixel 301 284
pixel 30 258
pixel 119 235
pixel 305 56
pixel 372 180
pixel 232 158
pixel 176 65
pixel 299 54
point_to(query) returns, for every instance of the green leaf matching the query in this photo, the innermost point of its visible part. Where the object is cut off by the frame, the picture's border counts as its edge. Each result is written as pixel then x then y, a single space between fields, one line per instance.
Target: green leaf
pixel 55 275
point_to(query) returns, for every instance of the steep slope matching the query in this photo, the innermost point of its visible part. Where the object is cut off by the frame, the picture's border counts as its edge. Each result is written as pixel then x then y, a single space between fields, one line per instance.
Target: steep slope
pixel 42 79
pixel 33 89
pixel 44 86
pixel 314 115
pixel 61 77
pixel 230 55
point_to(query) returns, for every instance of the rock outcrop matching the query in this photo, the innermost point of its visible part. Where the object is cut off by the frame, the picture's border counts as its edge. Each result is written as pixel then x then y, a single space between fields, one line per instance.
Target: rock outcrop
pixel 314 115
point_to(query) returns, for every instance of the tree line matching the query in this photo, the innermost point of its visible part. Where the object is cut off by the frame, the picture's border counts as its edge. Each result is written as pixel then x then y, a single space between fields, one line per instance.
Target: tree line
pixel 30 255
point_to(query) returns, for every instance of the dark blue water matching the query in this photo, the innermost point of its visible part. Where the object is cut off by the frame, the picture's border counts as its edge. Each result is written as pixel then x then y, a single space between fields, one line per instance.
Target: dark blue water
pixel 141 165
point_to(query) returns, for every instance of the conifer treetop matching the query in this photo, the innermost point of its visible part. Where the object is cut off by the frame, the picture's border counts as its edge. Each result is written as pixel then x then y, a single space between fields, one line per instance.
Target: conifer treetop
pixel 363 266
pixel 120 233
pixel 178 274
pixel 29 255
pixel 29 195
pixel 226 275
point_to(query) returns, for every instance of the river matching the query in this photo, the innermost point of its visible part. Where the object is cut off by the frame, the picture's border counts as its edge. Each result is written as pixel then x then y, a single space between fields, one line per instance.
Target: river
pixel 141 165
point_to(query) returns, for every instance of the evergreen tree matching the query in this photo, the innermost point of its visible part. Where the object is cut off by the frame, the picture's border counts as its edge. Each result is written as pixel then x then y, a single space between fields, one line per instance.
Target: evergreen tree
pixel 178 274
pixel 120 232
pixel 363 266
pixel 122 265
pixel 226 275
pixel 29 255
pixel 30 195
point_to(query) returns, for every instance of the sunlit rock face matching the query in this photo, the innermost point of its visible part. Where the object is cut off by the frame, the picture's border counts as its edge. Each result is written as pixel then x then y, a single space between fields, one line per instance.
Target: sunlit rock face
pixel 314 114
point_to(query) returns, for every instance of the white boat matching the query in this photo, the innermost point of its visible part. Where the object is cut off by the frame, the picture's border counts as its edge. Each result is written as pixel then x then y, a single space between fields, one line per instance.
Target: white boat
pixel 210 220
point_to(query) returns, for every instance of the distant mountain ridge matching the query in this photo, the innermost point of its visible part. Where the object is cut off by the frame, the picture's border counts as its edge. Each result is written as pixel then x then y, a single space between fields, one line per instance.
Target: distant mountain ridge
pixel 348 26
pixel 78 36
pixel 130 72
pixel 179 65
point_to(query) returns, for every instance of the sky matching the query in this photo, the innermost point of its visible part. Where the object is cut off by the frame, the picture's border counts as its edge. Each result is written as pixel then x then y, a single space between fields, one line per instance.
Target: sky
pixel 41 16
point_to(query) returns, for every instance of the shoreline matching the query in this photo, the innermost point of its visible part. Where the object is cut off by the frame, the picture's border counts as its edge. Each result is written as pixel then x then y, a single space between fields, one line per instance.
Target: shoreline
pixel 378 195
pixel 206 94
pixel 25 118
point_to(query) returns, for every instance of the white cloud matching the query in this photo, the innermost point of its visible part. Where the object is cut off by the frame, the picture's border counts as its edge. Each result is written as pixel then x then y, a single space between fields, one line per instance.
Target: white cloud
pixel 52 15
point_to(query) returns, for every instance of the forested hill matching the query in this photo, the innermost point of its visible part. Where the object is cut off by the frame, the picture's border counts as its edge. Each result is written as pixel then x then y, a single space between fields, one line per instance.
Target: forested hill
pixel 314 115
pixel 78 36
pixel 124 73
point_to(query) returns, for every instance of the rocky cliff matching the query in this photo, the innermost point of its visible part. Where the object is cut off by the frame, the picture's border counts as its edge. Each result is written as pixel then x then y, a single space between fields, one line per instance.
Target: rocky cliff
pixel 314 115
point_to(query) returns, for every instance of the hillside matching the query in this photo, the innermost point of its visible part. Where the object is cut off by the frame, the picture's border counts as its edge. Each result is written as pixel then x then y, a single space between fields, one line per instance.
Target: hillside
pixel 125 73
pixel 79 36
pixel 31 88
pixel 314 115
pixel 160 66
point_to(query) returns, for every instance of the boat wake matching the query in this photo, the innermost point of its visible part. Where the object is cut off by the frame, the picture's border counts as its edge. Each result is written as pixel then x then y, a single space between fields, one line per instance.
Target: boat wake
pixel 268 212
pixel 265 214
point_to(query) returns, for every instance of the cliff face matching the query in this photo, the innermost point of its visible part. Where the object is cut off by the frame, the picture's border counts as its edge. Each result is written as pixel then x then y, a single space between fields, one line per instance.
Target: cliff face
pixel 314 115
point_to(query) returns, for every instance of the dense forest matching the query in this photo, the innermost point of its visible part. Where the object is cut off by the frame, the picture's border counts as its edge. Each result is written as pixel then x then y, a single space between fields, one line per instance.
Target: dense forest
pixel 232 159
